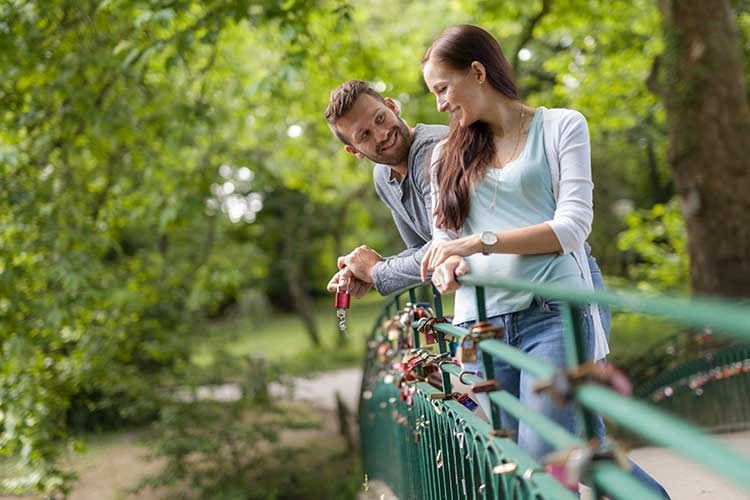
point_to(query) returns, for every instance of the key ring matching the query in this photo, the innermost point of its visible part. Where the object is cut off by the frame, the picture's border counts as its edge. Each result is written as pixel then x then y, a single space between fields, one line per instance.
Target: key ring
pixel 529 473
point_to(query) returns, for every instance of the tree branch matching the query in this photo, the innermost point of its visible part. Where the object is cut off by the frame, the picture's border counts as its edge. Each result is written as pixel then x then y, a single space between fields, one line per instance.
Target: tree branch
pixel 528 31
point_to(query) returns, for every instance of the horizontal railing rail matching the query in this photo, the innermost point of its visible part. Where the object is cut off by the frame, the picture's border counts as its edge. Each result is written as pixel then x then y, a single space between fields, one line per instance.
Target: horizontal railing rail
pixel 415 433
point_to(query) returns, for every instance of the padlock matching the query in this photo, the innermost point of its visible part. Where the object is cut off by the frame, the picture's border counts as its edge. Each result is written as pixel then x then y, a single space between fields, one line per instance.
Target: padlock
pixel 467 350
pixel 561 385
pixel 392 329
pixel 485 386
pixel 440 395
pixel 384 352
pixel 484 330
pixel 503 433
pixel 571 465
pixel 341 303
pixel 422 310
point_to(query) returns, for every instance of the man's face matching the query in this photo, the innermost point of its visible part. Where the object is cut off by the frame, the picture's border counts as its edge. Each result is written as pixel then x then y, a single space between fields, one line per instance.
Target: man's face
pixel 375 130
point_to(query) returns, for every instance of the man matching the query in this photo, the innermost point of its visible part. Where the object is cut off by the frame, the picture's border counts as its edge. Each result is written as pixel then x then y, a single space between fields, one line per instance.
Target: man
pixel 370 127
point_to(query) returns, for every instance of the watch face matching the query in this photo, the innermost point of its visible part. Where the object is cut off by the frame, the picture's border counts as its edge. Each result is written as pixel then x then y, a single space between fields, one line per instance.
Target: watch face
pixel 488 238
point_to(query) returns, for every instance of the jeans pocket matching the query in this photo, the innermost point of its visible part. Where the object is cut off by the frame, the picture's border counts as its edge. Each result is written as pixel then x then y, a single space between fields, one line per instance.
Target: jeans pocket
pixel 549 305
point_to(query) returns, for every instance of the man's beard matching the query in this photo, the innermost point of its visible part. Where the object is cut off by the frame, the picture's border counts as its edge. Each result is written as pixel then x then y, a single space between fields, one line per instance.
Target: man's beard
pixel 400 151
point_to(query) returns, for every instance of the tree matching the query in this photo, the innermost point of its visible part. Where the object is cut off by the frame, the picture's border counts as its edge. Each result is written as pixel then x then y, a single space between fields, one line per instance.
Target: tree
pixel 706 98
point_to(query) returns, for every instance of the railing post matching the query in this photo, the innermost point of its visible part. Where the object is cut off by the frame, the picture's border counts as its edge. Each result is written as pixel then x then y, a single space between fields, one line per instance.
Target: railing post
pixel 575 353
pixel 481 307
pixel 438 303
pixel 487 361
pixel 414 331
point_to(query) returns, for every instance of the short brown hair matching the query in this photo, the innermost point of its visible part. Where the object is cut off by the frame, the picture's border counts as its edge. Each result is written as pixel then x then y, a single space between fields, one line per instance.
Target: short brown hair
pixel 342 100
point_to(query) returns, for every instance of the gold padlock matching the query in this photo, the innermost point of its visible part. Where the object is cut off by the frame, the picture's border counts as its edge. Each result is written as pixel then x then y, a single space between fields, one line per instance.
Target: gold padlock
pixel 467 350
pixel 484 330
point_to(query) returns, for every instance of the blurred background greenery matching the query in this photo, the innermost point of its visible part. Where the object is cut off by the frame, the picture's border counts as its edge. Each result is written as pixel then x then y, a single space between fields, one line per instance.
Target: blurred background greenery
pixel 173 200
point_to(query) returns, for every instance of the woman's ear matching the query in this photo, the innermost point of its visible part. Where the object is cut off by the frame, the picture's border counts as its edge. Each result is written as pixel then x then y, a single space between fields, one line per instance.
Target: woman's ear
pixel 479 71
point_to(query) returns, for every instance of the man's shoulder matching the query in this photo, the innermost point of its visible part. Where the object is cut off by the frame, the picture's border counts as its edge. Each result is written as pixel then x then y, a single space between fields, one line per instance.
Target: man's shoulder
pixel 380 174
pixel 425 139
pixel 428 135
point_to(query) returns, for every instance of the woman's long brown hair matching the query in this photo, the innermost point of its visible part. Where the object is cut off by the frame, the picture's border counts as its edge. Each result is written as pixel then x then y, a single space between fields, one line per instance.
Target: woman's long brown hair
pixel 468 150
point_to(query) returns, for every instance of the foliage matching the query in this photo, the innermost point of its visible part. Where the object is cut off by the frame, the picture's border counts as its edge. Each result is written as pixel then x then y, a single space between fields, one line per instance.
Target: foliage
pixel 236 450
pixel 656 242
pixel 116 118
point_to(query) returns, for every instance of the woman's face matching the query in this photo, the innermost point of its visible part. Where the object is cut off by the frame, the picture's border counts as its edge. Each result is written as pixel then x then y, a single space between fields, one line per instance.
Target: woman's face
pixel 457 91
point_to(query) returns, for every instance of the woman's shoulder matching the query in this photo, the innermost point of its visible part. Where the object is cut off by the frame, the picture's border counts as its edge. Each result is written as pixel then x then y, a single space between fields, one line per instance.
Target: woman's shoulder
pixel 562 116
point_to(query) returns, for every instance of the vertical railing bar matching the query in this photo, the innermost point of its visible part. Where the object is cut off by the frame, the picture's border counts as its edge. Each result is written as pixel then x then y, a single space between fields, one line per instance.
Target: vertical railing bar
pixel 414 331
pixel 426 438
pixel 570 338
pixel 575 353
pixel 445 470
pixel 456 462
pixel 487 361
pixel 481 306
pixel 438 303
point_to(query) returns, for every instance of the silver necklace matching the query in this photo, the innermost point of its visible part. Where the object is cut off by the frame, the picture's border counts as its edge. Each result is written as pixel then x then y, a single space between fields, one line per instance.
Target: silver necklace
pixel 512 155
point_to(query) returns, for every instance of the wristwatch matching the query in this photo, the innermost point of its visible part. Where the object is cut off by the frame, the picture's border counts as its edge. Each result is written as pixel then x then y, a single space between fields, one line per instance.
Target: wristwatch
pixel 487 238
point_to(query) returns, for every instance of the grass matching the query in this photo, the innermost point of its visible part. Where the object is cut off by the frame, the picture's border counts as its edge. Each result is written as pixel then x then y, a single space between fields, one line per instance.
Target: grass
pixel 281 338
pixel 634 334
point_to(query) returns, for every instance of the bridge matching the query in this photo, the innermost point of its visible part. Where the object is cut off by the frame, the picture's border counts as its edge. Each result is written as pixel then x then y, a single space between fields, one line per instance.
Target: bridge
pixel 422 436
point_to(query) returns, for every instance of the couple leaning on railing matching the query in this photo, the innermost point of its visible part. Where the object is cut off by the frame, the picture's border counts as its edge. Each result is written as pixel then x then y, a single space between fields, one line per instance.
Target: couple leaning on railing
pixel 504 192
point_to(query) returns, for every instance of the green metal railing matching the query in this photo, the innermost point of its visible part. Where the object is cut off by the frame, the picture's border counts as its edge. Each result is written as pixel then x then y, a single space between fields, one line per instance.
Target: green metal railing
pixel 439 449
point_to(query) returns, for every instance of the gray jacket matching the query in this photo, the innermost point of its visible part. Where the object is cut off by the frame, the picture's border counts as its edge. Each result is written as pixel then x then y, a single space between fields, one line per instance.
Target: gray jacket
pixel 411 206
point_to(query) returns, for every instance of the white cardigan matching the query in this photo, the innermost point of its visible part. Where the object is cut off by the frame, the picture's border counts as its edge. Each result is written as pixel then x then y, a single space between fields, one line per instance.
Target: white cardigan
pixel 566 143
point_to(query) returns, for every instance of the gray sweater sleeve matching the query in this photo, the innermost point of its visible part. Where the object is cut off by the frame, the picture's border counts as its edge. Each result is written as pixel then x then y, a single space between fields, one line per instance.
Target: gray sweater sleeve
pixel 401 270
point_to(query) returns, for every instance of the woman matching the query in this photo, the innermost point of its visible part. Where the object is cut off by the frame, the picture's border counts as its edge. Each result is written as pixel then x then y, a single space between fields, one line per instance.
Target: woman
pixel 512 193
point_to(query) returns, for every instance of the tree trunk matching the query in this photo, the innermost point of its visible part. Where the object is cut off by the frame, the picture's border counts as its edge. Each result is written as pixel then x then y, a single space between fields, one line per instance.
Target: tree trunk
pixel 294 255
pixel 705 95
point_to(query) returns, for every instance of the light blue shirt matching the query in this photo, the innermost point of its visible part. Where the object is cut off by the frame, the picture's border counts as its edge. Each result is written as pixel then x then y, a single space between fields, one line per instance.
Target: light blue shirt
pixel 516 196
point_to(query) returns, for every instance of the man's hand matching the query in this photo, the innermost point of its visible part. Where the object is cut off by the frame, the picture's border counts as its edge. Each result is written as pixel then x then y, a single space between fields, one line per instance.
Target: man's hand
pixel 444 277
pixel 344 278
pixel 439 251
pixel 360 262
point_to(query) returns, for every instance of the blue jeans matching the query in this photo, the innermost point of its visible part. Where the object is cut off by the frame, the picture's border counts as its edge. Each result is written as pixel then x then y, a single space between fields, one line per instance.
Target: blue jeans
pixel 605 312
pixel 538 331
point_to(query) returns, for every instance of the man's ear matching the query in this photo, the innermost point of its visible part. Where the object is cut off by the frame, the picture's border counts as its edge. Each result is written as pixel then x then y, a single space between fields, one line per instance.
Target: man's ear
pixel 394 105
pixel 352 151
pixel 480 72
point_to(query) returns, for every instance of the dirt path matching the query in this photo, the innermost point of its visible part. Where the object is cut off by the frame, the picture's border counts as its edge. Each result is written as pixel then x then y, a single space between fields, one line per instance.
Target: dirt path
pixel 115 463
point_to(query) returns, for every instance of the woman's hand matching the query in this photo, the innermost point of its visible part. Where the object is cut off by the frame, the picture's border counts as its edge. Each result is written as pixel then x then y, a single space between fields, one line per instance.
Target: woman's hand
pixel 444 277
pixel 440 250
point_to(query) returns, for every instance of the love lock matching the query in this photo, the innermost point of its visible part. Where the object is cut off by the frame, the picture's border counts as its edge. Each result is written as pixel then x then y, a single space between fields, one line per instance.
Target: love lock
pixel 423 310
pixel 562 384
pixel 485 386
pixel 570 465
pixel 426 326
pixel 469 344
